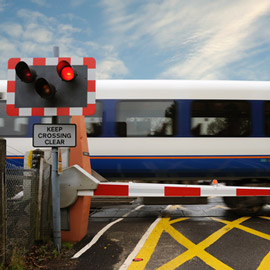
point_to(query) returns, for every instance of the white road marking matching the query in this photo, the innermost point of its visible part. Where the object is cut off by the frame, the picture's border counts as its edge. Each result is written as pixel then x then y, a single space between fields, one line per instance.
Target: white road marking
pixel 140 244
pixel 101 232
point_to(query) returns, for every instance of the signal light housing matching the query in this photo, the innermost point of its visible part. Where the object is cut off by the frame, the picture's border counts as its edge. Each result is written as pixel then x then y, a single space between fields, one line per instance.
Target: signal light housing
pixel 44 89
pixel 36 87
pixel 66 71
pixel 25 73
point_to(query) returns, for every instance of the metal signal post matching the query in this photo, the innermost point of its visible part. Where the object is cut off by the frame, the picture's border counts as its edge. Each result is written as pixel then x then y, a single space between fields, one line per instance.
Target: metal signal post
pixel 53 87
pixel 55 185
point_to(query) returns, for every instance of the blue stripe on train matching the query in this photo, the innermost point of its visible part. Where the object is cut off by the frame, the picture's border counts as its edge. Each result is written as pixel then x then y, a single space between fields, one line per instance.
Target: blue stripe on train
pixel 197 166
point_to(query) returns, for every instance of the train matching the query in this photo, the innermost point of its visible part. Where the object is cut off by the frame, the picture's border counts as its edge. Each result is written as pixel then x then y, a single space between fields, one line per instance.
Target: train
pixel 178 131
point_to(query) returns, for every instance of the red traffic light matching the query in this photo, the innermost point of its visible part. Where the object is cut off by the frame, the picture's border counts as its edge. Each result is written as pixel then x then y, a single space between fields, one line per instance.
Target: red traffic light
pixel 25 73
pixel 65 71
pixel 44 89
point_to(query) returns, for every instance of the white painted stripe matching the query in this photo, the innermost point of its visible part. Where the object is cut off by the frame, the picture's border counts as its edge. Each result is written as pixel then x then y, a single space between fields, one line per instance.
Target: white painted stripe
pixel 10 98
pixel 76 61
pixel 76 111
pixel 218 190
pixel 28 61
pixel 141 243
pixel 25 111
pixel 101 232
pixel 85 193
pixel 91 74
pixel 139 246
pixel 11 75
pixel 50 111
pixel 146 190
pixel 91 97
pixel 52 61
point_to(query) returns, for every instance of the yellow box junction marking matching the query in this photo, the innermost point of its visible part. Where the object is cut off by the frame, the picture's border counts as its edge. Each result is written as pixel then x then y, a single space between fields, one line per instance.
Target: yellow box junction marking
pixel 193 250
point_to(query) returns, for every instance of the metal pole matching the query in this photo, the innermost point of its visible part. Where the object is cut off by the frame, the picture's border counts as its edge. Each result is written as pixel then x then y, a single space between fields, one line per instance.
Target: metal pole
pixel 55 185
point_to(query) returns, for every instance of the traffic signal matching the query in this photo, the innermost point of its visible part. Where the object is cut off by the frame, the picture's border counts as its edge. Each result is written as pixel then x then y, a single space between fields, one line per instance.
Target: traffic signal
pixel 51 86
pixel 25 73
pixel 44 89
pixel 65 71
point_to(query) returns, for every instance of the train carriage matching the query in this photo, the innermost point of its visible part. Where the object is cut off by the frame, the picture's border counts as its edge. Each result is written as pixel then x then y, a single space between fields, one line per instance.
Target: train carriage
pixel 170 131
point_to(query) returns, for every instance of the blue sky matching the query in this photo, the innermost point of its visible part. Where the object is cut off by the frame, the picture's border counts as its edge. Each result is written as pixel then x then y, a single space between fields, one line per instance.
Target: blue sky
pixel 144 39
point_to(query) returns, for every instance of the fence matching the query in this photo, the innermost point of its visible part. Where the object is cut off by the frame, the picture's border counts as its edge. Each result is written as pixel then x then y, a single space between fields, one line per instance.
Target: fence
pixel 21 209
pixel 25 214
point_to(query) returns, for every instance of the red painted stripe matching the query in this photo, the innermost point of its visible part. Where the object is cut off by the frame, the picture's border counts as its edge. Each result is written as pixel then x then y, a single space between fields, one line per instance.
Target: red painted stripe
pixel 89 62
pixel 89 110
pixel 68 59
pixel 63 111
pixel 91 86
pixel 11 86
pixel 39 61
pixel 111 190
pixel 12 62
pixel 11 110
pixel 252 192
pixel 182 191
pixel 37 111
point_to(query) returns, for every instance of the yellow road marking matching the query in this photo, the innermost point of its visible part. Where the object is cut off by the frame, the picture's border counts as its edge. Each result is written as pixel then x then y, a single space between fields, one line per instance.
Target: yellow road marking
pixel 148 248
pixel 265 263
pixel 246 229
pixel 265 217
pixel 194 250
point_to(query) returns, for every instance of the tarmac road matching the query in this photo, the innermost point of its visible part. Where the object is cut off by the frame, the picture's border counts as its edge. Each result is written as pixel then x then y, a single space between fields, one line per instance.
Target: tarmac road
pixel 174 237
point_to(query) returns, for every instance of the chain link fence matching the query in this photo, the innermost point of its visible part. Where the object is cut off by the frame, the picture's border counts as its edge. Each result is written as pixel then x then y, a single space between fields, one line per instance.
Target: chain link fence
pixel 21 208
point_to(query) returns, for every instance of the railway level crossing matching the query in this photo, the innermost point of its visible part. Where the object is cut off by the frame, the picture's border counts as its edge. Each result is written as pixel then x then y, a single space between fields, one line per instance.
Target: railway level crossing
pixel 22 76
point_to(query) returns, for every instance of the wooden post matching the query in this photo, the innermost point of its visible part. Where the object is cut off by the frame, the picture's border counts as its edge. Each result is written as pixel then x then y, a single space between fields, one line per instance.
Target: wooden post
pixel 79 211
pixel 2 201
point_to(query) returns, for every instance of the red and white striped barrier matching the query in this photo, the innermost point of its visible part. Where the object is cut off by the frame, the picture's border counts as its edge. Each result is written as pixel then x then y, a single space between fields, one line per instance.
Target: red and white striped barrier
pixel 167 190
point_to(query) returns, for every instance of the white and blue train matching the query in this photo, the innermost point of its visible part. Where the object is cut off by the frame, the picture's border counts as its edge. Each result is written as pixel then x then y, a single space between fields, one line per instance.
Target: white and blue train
pixel 170 130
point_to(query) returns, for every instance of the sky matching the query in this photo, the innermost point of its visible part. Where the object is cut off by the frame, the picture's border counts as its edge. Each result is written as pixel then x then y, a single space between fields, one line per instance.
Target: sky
pixel 144 39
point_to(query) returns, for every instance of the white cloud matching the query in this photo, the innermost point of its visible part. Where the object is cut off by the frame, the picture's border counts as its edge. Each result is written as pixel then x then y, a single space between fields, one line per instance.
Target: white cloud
pixel 229 43
pixel 197 38
pixel 111 67
pixel 37 33
pixel 14 30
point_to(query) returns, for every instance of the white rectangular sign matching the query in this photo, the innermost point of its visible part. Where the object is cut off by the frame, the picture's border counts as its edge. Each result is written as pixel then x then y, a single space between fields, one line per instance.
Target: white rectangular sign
pixel 54 135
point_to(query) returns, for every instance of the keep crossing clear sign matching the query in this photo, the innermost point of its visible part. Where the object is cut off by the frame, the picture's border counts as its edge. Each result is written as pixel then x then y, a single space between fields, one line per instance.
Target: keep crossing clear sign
pixel 54 135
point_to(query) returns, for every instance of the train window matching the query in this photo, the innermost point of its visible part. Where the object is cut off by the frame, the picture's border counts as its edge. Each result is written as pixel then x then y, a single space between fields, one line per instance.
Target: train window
pixel 11 126
pixel 220 118
pixel 267 118
pixel 60 120
pixel 93 123
pixel 146 118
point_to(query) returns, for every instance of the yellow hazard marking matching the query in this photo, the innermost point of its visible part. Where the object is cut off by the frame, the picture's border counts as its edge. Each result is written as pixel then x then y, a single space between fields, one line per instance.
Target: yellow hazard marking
pixel 265 217
pixel 246 229
pixel 265 263
pixel 29 163
pixel 193 250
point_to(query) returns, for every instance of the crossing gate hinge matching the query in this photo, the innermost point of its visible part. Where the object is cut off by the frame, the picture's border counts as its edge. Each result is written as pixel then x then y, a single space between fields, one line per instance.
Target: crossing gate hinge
pixel 72 180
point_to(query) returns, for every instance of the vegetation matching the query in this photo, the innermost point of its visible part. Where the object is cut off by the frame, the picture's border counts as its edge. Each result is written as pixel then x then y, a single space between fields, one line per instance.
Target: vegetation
pixel 38 257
